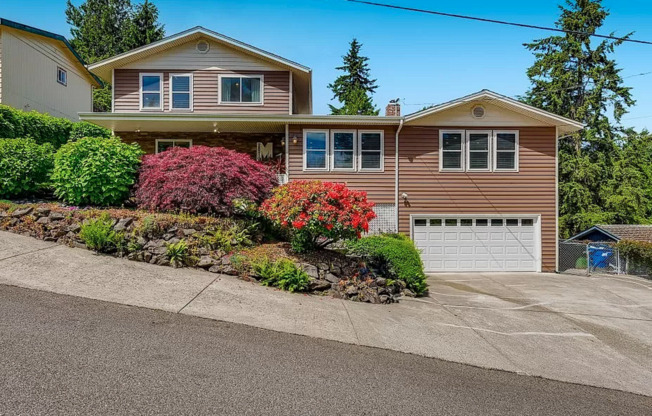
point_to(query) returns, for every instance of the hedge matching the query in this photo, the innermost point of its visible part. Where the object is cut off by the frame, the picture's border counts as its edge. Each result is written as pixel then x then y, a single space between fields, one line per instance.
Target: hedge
pixel 637 252
pixel 95 170
pixel 44 128
pixel 24 166
pixel 394 255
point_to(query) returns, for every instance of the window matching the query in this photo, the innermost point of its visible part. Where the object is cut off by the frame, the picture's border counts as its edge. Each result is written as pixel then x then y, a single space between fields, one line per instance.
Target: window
pixel 435 223
pixel 511 222
pixel 180 92
pixel 419 223
pixel 480 223
pixel 527 222
pixel 371 150
pixel 464 222
pixel 496 222
pixel 315 145
pixel 451 149
pixel 506 151
pixel 343 149
pixel 245 89
pixel 164 144
pixel 151 91
pixel 478 151
pixel 451 223
pixel 62 76
pixel 478 155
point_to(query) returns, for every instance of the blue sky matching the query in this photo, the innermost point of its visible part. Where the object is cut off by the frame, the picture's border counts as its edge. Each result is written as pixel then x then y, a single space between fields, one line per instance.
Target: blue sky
pixel 418 58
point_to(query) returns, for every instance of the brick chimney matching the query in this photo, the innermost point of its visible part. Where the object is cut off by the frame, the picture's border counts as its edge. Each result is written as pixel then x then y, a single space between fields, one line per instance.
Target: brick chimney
pixel 393 109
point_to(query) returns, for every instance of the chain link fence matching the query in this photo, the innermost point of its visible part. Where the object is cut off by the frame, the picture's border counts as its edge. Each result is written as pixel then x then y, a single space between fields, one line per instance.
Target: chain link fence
pixel 592 258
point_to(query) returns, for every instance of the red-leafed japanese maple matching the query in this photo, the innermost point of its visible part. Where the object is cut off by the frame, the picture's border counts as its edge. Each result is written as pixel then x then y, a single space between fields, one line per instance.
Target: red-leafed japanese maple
pixel 201 179
pixel 319 213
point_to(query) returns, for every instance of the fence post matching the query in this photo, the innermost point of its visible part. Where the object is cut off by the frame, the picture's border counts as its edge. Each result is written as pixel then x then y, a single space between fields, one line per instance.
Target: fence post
pixel 588 261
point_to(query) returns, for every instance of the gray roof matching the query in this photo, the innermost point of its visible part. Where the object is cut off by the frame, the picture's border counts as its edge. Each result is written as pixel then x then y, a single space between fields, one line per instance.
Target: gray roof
pixel 637 232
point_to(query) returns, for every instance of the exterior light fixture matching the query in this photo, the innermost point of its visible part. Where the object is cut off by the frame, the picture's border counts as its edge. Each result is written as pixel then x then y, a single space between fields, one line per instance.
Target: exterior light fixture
pixel 294 140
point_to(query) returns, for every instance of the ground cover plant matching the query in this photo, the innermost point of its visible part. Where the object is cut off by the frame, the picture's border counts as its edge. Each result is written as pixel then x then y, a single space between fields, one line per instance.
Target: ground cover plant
pixel 25 166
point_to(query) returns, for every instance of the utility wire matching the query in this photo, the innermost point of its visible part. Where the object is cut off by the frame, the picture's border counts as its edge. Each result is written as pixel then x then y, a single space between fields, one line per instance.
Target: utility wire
pixel 501 22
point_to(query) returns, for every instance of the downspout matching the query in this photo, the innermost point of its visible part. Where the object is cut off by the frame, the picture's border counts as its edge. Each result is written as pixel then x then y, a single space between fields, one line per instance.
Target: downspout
pixel 287 152
pixel 556 202
pixel 400 126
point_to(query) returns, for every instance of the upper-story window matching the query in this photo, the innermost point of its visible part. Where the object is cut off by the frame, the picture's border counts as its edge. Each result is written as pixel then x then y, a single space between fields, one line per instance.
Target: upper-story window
pixel 180 92
pixel 62 76
pixel 478 151
pixel 151 91
pixel 241 89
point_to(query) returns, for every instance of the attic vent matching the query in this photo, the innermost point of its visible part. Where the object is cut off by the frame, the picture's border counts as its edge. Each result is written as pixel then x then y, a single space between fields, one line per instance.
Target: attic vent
pixel 203 46
pixel 478 111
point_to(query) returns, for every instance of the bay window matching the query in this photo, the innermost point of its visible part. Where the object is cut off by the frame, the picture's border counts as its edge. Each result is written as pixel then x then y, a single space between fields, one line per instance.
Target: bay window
pixel 180 92
pixel 151 91
pixel 241 89
pixel 343 149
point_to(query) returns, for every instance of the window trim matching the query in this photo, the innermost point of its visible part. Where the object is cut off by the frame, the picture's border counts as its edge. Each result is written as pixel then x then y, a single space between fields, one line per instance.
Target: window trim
pixel 382 151
pixel 326 167
pixel 60 70
pixel 190 92
pixel 462 167
pixel 170 140
pixel 332 150
pixel 495 150
pixel 467 153
pixel 261 77
pixel 140 90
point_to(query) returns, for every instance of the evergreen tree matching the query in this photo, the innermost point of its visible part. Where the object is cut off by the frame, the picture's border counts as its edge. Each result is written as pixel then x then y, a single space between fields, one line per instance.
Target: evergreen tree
pixel 145 26
pixel 354 88
pixel 104 28
pixel 573 77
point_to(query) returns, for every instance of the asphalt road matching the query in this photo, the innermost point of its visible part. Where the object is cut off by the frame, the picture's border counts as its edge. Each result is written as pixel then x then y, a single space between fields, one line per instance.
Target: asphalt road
pixel 68 355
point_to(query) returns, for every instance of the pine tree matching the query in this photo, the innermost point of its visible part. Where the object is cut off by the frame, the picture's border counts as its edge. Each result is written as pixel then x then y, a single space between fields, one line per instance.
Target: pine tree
pixel 105 28
pixel 354 88
pixel 574 78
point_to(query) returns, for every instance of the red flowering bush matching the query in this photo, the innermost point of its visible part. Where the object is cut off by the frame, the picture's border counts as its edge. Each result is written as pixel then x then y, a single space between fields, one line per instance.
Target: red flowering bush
pixel 318 213
pixel 201 180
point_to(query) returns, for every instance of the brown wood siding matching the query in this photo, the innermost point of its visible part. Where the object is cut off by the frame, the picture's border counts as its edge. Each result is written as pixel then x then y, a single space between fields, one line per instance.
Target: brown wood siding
pixel 529 191
pixel 276 92
pixel 378 185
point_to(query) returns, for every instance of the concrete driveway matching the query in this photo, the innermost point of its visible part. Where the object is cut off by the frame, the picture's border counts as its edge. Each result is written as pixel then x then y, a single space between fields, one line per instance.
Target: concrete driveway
pixel 594 330
pixel 588 330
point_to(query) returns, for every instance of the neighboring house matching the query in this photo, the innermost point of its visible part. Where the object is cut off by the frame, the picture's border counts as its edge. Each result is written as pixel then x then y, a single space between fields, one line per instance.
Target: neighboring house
pixel 472 181
pixel 614 233
pixel 40 71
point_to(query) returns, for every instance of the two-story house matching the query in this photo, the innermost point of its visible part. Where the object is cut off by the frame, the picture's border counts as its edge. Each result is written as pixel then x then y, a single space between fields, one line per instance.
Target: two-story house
pixel 473 181
pixel 40 71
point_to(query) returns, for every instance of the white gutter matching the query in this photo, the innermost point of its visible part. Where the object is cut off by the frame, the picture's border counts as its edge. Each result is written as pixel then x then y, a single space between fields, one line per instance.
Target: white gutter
pixel 400 126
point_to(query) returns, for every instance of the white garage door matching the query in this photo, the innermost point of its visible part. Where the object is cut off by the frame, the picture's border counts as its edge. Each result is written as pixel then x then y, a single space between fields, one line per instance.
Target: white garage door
pixel 482 243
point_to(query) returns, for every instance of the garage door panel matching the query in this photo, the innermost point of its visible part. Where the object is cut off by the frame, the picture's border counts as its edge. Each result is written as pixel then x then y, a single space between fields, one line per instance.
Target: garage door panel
pixel 450 244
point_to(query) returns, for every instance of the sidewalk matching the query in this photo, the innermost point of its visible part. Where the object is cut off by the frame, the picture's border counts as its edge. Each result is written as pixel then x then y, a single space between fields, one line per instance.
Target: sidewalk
pixel 542 342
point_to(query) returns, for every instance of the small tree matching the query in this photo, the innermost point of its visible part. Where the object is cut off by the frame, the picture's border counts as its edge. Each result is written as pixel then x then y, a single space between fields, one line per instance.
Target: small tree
pixel 354 88
pixel 318 213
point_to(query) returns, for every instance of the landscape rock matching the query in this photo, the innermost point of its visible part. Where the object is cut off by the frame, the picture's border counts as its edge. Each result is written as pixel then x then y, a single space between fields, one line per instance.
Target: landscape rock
pixel 43 211
pixel 310 270
pixel 73 228
pixel 43 220
pixel 189 231
pixel 319 285
pixel 21 212
pixel 331 278
pixel 123 224
pixel 206 262
pixel 409 293
pixel 215 269
pixel 56 216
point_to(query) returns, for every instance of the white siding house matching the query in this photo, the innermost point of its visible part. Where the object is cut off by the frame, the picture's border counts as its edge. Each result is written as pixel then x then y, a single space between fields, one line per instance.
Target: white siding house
pixel 40 71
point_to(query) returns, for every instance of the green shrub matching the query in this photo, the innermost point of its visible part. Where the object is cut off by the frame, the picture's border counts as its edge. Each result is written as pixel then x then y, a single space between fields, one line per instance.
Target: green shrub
pixel 282 273
pixel 98 234
pixel 227 239
pixel 638 253
pixel 85 129
pixel 95 170
pixel 581 263
pixel 24 166
pixel 177 253
pixel 395 256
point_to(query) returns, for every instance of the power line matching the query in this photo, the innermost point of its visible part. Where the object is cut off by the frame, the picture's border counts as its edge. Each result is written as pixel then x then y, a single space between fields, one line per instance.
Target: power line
pixel 501 22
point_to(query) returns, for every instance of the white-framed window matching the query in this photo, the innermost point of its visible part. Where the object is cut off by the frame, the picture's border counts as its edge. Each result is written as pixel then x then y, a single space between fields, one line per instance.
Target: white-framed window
pixel 478 150
pixel 371 148
pixel 240 89
pixel 164 144
pixel 181 92
pixel 151 91
pixel 451 150
pixel 505 150
pixel 62 76
pixel 478 155
pixel 315 150
pixel 343 149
